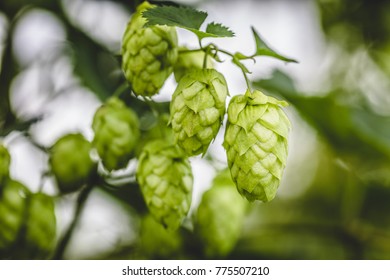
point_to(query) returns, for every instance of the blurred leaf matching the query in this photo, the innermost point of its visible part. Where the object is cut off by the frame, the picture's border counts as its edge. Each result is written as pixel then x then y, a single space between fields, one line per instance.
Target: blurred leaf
pixel 296 242
pixel 348 128
pixel 92 73
pixel 9 69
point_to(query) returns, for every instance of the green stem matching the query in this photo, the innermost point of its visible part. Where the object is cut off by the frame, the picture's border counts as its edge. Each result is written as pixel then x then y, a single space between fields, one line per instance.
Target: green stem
pixel 63 243
pixel 248 84
pixel 120 89
pixel 205 60
pixel 152 106
pixel 211 47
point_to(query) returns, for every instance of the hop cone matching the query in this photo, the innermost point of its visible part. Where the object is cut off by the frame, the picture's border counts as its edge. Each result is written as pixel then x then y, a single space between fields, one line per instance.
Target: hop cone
pixel 116 133
pixel 5 160
pixel 189 60
pixel 219 216
pixel 40 229
pixel 13 203
pixel 158 242
pixel 148 53
pixel 165 178
pixel 256 144
pixel 71 163
pixel 197 109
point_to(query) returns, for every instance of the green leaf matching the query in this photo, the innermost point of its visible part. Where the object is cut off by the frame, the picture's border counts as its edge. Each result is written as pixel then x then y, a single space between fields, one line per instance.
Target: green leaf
pixel 219 30
pixel 187 18
pixel 263 49
pixel 184 17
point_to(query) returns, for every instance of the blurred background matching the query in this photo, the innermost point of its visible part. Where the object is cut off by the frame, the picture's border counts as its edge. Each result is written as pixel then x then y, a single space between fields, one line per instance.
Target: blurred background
pixel 61 59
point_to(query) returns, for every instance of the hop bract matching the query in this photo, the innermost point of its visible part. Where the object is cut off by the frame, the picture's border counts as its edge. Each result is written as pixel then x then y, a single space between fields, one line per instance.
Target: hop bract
pixel 256 144
pixel 5 160
pixel 71 163
pixel 165 179
pixel 13 205
pixel 197 109
pixel 148 54
pixel 116 130
pixel 219 217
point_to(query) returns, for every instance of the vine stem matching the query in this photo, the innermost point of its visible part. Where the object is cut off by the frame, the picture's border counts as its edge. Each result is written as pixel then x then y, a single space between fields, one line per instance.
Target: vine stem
pixel 63 243
pixel 248 84
pixel 212 47
pixel 120 90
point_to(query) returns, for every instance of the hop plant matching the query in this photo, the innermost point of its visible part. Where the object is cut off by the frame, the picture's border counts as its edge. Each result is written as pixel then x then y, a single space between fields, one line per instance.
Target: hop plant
pixel 116 130
pixel 189 60
pixel 40 229
pixel 148 53
pixel 158 242
pixel 197 109
pixel 256 144
pixel 5 160
pixel 13 202
pixel 219 216
pixel 71 163
pixel 27 223
pixel 165 179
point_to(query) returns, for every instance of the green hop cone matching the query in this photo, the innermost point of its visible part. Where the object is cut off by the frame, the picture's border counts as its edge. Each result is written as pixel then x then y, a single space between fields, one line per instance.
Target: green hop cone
pixel 158 242
pixel 40 228
pixel 189 60
pixel 116 130
pixel 71 163
pixel 5 161
pixel 219 216
pixel 165 178
pixel 256 144
pixel 13 204
pixel 197 109
pixel 148 53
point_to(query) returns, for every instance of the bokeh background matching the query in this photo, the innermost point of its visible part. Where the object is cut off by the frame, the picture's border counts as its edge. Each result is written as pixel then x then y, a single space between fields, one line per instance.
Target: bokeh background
pixel 61 59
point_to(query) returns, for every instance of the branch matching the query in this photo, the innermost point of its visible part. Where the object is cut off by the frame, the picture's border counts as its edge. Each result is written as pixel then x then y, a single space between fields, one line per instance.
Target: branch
pixel 63 243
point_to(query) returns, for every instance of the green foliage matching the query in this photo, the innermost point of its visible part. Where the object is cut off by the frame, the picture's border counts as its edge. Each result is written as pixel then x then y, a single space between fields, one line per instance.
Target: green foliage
pixel 187 18
pixel 263 49
pixel 5 161
pixel 335 201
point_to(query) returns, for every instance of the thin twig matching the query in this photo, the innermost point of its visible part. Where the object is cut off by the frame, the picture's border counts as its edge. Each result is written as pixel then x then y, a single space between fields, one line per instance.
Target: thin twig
pixel 63 243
